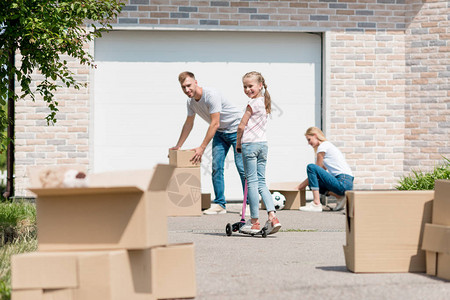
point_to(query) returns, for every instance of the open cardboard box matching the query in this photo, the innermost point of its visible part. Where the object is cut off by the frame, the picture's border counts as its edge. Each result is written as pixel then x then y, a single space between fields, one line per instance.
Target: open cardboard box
pixel 119 210
pixel 436 238
pixel 182 159
pixel 294 197
pixel 106 275
pixel 385 230
pixel 184 193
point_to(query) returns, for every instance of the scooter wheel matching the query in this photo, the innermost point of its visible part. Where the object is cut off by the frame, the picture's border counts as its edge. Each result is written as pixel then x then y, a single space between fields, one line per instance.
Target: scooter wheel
pixel 264 233
pixel 228 229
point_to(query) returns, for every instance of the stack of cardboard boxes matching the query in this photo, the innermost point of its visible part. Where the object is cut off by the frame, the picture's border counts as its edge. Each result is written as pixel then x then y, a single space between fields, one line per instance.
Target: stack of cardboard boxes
pixel 184 189
pixel 106 241
pixel 436 238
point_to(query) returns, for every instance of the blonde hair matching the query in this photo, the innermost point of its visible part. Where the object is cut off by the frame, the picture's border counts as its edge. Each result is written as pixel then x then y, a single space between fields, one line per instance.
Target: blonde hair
pixel 183 75
pixel 260 79
pixel 314 131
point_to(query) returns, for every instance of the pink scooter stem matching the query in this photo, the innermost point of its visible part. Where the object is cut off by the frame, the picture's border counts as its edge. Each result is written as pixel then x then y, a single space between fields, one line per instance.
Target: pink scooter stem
pixel 244 203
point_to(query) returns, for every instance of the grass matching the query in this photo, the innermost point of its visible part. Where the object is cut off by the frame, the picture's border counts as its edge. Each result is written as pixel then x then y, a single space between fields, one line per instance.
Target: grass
pixel 8 250
pixel 17 235
pixel 419 180
pixel 17 221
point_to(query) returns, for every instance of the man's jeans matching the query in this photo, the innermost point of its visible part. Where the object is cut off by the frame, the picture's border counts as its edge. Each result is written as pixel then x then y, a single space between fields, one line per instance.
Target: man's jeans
pixel 319 179
pixel 221 144
pixel 255 158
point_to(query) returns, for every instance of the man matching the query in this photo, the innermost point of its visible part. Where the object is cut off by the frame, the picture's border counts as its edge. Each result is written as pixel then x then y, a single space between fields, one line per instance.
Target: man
pixel 223 118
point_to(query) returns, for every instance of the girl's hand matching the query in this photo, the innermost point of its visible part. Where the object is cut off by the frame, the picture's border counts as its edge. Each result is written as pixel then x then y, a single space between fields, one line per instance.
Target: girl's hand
pixel 238 148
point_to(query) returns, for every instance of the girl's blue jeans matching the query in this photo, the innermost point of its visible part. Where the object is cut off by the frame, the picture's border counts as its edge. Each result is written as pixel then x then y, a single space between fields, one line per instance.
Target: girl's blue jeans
pixel 319 179
pixel 255 158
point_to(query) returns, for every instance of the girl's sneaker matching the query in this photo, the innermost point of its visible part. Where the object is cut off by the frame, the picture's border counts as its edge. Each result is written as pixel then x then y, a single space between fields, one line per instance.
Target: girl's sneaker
pixel 273 226
pixel 250 228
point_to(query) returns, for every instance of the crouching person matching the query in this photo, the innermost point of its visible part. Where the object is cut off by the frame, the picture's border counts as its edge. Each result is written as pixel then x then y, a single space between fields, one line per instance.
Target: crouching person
pixel 330 175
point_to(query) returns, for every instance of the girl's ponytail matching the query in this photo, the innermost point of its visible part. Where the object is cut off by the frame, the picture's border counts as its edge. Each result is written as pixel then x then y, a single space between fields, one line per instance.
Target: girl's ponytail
pixel 267 99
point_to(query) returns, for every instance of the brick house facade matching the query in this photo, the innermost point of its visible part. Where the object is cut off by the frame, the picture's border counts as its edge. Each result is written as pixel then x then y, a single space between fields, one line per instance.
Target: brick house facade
pixel 386 87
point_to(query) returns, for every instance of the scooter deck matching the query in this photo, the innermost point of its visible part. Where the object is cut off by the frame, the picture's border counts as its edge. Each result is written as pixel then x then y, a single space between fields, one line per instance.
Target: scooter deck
pixel 236 227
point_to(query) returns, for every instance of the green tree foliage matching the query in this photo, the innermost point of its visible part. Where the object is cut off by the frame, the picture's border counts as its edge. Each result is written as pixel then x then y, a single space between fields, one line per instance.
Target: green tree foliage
pixel 419 180
pixel 42 31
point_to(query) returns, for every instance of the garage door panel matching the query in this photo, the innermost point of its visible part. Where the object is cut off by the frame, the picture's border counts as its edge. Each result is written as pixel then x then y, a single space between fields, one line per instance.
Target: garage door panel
pixel 139 108
pixel 190 46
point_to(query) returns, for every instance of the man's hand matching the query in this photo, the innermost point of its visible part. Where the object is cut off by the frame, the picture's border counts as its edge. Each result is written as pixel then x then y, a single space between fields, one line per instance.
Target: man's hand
pixel 173 148
pixel 238 148
pixel 197 158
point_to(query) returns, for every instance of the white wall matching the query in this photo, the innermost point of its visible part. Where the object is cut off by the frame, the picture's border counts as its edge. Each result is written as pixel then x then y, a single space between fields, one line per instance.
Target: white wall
pixel 139 108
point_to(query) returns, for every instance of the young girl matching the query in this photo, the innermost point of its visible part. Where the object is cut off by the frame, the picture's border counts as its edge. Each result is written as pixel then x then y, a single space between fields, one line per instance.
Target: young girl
pixel 331 172
pixel 252 141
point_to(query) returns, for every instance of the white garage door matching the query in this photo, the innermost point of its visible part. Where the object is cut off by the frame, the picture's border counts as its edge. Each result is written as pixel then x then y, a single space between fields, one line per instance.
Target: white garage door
pixel 139 108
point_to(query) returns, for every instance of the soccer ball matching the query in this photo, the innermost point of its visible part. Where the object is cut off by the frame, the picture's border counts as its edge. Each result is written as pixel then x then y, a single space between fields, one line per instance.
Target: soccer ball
pixel 278 200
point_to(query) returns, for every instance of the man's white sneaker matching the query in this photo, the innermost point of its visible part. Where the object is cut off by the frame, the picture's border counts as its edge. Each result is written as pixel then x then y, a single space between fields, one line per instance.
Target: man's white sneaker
pixel 340 203
pixel 311 206
pixel 215 209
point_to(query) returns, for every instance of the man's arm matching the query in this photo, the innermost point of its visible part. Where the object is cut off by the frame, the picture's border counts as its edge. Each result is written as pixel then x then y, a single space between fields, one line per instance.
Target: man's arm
pixel 187 127
pixel 213 126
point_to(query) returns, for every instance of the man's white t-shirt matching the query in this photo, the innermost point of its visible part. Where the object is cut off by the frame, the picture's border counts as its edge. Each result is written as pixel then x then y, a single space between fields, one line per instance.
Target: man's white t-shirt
pixel 212 102
pixel 255 130
pixel 334 160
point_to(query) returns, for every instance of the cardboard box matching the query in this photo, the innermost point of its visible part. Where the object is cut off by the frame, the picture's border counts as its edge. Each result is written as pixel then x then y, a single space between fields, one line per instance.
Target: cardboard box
pixel 118 274
pixel 58 294
pixel 105 275
pixel 168 272
pixel 436 242
pixel 206 201
pixel 294 197
pixel 40 294
pixel 184 193
pixel 36 270
pixel 119 210
pixel 36 294
pixel 441 204
pixel 182 159
pixel 436 238
pixel 385 230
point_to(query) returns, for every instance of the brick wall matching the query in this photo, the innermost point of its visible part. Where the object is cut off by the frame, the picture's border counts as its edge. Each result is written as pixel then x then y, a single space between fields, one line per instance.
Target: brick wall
pixel 386 76
pixel 427 101
pixel 64 143
pixel 352 15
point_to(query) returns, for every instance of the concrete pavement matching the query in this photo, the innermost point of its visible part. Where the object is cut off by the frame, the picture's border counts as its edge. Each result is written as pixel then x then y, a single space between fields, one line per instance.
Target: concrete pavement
pixel 305 260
